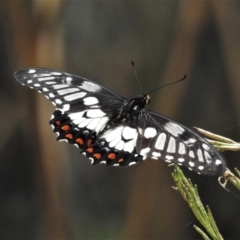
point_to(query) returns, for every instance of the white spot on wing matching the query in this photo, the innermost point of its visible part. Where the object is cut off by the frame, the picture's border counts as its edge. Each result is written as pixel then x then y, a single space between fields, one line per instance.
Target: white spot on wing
pixel 37 85
pixel 205 146
pixel 140 130
pixel 32 71
pixel 181 149
pixel 191 164
pixel 58 101
pixel 42 75
pixel 91 159
pixel 79 120
pixel 200 155
pixel 66 107
pixel 191 154
pixel 69 80
pixel 113 133
pixel 114 142
pixel 76 115
pixel 131 163
pixel 67 90
pixel 181 159
pixel 150 132
pixel 171 145
pixel 190 141
pixel 101 124
pixel 84 123
pixel 144 151
pixel 128 132
pixel 56 73
pixel 208 157
pixel 29 81
pixel 74 96
pixel 218 162
pixel 95 113
pixel 93 124
pixel 91 87
pixel 156 154
pixel 59 86
pixel 120 146
pixel 168 157
pixel 50 83
pixel 200 167
pixel 128 146
pixel 45 78
pixel 90 101
pixel 160 143
pixel 173 128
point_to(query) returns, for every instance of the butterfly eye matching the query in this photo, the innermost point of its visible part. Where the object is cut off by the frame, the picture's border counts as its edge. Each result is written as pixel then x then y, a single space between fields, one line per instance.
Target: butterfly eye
pixel 147 99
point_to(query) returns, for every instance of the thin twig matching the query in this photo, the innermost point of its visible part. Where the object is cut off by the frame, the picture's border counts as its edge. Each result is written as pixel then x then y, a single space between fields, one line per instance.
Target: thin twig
pixel 190 194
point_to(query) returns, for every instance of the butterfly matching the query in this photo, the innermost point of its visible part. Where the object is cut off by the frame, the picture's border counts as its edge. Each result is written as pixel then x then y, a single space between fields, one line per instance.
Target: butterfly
pixel 110 129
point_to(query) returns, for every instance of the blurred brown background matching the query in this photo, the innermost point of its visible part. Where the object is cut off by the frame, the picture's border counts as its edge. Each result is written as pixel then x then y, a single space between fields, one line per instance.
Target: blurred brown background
pixel 47 189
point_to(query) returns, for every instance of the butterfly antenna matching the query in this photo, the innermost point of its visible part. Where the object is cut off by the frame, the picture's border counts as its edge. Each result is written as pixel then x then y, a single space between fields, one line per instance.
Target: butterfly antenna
pixel 139 84
pixel 185 76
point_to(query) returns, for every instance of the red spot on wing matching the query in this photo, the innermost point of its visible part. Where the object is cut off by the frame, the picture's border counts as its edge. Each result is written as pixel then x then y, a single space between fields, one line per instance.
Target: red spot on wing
pixel 65 128
pixel 89 142
pixel 97 155
pixel 90 150
pixel 79 140
pixel 70 136
pixel 121 160
pixel 58 122
pixel 112 156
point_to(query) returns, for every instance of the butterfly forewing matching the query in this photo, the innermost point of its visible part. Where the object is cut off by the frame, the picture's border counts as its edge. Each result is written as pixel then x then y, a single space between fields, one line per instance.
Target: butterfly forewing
pixel 82 99
pixel 65 89
pixel 109 129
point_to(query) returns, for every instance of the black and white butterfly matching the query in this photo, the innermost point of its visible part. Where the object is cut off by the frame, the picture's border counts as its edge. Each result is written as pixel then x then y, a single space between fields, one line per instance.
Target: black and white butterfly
pixel 113 130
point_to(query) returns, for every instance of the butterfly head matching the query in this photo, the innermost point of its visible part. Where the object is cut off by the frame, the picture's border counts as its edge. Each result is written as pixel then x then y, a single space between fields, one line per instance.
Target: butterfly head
pixel 136 104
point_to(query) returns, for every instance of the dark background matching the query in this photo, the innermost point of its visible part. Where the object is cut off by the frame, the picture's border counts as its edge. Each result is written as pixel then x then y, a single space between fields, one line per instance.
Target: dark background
pixel 47 189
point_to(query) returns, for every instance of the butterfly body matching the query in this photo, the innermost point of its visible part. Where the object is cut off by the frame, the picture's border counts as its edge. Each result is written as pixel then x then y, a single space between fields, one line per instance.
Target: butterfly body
pixel 110 129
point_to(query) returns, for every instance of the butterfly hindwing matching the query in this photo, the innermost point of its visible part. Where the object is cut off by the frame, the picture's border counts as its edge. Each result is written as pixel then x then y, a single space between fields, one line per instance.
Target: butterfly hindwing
pixel 116 146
